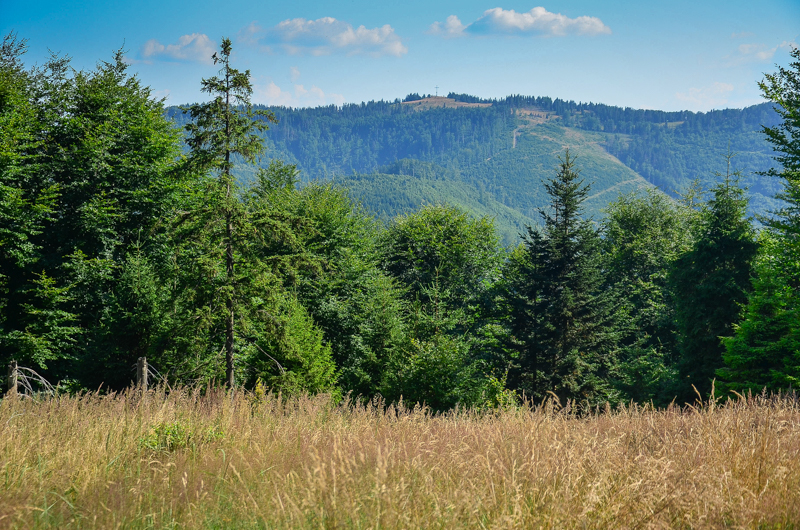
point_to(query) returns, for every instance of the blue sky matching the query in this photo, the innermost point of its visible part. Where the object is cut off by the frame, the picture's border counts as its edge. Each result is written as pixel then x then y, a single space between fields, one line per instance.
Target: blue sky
pixel 694 55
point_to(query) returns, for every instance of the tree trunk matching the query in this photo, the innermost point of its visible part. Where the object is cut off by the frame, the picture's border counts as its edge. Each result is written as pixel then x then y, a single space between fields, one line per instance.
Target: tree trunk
pixel 230 320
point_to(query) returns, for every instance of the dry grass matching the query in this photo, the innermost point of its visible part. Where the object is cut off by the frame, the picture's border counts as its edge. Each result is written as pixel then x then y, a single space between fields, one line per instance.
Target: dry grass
pixel 230 461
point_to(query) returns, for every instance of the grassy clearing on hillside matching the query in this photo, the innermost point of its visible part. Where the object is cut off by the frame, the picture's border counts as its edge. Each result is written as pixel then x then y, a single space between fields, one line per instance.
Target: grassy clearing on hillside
pixel 186 460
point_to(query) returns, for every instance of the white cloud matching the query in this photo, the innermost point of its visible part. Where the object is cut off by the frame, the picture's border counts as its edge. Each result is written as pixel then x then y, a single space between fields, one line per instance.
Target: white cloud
pixel 706 98
pixel 294 73
pixel 761 52
pixel 297 96
pixel 195 47
pixel 742 35
pixel 537 21
pixel 325 36
pixel 452 27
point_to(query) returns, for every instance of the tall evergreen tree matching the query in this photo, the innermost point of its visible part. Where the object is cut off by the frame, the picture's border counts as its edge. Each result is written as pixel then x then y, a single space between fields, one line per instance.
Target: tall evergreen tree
pixel 223 128
pixel 710 283
pixel 563 322
pixel 765 351
pixel 87 162
pixel 231 289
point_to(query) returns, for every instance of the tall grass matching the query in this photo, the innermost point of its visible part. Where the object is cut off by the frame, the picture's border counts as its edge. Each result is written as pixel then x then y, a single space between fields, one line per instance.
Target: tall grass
pixel 187 459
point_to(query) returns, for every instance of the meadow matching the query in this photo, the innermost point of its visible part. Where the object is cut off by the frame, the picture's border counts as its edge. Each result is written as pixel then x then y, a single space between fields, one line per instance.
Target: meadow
pixel 213 459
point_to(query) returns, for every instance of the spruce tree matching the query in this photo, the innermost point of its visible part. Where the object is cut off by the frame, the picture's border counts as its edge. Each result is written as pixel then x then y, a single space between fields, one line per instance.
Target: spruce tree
pixel 563 322
pixel 222 128
pixel 710 283
pixel 643 235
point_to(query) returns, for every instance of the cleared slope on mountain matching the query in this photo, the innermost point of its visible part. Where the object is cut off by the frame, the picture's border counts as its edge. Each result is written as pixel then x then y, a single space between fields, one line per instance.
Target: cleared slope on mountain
pixel 515 176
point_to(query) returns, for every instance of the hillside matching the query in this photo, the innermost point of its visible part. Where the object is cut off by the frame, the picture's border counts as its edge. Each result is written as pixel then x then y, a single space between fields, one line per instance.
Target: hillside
pixel 490 156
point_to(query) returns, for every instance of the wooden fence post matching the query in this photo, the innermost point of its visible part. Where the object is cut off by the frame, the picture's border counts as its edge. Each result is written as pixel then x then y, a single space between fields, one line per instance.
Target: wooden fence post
pixel 13 378
pixel 141 373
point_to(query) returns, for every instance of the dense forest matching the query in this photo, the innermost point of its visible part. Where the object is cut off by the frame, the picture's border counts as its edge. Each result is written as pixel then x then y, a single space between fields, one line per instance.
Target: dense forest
pixel 202 239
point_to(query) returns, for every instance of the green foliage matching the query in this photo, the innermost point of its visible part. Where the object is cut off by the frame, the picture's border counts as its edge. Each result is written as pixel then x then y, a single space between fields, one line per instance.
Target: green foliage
pixel 327 255
pixel 783 89
pixel 563 324
pixel 438 372
pixel 173 436
pixel 49 332
pixel 764 351
pixel 444 246
pixel 446 262
pixel 221 129
pixel 710 284
pixel 85 171
pixel 643 236
pixel 289 355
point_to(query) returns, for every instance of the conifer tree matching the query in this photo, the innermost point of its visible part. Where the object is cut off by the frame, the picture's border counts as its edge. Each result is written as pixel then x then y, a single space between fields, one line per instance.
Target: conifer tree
pixel 710 283
pixel 765 351
pixel 231 286
pixel 222 128
pixel 563 323
pixel 643 235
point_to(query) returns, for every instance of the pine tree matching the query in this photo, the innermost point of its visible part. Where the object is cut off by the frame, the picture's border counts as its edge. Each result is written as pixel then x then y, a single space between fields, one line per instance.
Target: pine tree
pixel 765 350
pixel 563 322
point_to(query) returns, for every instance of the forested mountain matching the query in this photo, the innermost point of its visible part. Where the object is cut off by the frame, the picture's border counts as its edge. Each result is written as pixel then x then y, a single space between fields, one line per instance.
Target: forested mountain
pixel 491 156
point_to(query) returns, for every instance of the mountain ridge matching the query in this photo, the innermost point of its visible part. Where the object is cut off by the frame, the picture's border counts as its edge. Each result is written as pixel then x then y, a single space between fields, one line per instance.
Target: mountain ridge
pixel 500 150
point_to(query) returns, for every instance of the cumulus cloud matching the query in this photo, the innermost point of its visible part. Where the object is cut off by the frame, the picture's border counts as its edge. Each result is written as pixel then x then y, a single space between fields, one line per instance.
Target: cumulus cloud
pixel 537 21
pixel 294 73
pixel 705 98
pixel 195 47
pixel 325 36
pixel 452 27
pixel 297 96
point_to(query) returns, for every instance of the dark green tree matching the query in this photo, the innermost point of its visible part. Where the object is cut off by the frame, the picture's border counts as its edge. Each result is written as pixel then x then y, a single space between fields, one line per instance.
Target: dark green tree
pixel 710 283
pixel 643 236
pixel 27 202
pixel 563 322
pixel 332 262
pixel 783 89
pixel 90 168
pixel 764 352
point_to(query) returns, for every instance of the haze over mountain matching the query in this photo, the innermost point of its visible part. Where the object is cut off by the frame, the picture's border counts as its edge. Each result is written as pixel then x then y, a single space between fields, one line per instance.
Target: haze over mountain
pixel 490 157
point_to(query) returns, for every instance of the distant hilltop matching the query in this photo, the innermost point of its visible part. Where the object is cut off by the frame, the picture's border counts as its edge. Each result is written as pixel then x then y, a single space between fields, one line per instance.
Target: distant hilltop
pixel 431 102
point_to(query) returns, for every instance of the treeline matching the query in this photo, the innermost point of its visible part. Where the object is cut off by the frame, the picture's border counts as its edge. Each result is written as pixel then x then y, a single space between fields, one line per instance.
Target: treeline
pixel 122 236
